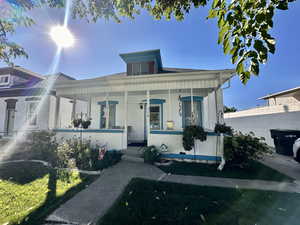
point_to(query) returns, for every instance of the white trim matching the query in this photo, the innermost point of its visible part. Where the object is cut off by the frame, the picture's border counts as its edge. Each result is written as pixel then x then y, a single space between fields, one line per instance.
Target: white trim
pixel 3 77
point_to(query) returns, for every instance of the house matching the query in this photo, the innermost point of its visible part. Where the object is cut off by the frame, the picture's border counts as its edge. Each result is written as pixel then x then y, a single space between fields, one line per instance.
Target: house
pixel 148 104
pixel 282 111
pixel 21 93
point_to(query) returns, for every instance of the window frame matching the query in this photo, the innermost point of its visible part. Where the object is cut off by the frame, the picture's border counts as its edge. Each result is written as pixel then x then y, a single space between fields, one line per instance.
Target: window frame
pixel 102 113
pixel 186 99
pixel 31 117
pixel 8 79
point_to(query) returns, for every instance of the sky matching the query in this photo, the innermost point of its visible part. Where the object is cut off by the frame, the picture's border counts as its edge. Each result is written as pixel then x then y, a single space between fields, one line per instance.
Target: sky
pixel 191 43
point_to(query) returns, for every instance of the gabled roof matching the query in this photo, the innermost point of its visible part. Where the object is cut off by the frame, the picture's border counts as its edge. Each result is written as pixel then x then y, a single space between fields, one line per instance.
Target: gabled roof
pixel 20 71
pixel 280 93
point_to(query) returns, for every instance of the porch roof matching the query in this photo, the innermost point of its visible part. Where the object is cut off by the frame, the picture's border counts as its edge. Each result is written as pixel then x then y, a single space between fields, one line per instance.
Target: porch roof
pixel 208 79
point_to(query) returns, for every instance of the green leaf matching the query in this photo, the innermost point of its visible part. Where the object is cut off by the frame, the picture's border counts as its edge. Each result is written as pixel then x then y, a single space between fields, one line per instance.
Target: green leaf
pixel 212 13
pixel 240 67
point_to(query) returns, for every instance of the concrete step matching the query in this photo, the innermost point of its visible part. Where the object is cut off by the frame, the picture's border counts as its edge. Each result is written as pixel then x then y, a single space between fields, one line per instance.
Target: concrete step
pixel 131 158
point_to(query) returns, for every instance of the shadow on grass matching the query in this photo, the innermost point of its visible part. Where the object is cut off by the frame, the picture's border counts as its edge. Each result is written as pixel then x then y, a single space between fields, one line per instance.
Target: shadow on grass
pixel 53 201
pixel 23 173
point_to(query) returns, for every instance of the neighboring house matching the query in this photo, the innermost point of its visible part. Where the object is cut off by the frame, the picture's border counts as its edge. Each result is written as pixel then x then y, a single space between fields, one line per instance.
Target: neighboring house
pixel 282 111
pixel 21 92
pixel 149 104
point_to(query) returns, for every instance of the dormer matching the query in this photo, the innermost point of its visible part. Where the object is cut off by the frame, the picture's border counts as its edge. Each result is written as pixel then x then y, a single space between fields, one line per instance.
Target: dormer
pixel 5 80
pixel 142 63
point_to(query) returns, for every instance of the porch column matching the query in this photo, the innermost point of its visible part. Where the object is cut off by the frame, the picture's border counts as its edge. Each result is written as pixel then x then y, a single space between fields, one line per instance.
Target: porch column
pixel 192 108
pixel 125 120
pixel 148 117
pixel 89 107
pixel 74 109
pixel 107 113
pixel 57 109
pixel 170 106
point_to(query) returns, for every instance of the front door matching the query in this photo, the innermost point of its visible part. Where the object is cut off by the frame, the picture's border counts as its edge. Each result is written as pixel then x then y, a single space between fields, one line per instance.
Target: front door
pixel 155 118
pixel 10 121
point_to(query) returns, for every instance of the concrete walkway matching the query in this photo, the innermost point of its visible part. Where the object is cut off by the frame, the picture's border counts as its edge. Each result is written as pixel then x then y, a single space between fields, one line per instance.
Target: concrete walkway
pixel 285 164
pixel 93 202
pixel 235 183
pixel 90 204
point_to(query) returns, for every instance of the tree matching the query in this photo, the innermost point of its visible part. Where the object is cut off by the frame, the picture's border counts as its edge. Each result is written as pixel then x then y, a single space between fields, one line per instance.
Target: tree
pixel 229 109
pixel 244 25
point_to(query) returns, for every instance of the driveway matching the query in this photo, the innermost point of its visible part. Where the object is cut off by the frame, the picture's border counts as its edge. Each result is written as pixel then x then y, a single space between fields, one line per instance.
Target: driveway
pixel 284 164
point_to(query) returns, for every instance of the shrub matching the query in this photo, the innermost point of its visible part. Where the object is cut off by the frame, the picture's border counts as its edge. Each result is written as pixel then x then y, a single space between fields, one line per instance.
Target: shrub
pixel 77 153
pixel 223 129
pixel 110 158
pixel 151 154
pixel 42 145
pixel 191 133
pixel 240 149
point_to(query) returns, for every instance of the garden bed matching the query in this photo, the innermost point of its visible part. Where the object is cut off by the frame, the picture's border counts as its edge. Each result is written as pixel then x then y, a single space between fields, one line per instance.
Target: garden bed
pixel 256 171
pixel 146 202
pixel 30 191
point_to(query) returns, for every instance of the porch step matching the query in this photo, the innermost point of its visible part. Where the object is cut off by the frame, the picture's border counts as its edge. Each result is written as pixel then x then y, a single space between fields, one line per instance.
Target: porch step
pixel 130 158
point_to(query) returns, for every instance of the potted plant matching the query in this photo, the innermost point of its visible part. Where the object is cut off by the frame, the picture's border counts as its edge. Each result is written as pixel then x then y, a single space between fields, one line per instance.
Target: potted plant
pixel 76 122
pixel 191 133
pixel 223 129
pixel 86 123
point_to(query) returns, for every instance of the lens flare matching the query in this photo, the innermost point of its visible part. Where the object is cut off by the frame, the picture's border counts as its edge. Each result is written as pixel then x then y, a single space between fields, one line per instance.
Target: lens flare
pixel 21 135
pixel 62 36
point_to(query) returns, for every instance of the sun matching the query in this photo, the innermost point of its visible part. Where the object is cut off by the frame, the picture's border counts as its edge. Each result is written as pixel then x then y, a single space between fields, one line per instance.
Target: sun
pixel 62 36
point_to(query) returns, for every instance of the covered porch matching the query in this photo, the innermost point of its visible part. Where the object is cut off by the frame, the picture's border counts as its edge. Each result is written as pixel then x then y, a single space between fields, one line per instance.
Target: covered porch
pixel 149 110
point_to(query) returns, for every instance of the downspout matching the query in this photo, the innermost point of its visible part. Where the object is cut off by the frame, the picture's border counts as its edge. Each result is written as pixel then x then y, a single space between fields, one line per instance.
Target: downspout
pixel 223 161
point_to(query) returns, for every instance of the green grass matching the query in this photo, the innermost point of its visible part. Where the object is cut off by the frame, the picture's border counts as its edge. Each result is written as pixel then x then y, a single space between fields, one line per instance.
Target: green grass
pixel 256 171
pixel 146 202
pixel 30 191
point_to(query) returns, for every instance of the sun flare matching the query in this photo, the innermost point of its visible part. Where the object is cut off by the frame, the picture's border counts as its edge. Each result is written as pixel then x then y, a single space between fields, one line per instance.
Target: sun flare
pixel 62 36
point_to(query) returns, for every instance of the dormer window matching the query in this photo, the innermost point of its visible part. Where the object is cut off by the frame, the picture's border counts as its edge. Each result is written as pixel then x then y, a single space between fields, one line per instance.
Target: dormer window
pixel 140 68
pixel 4 79
pixel 145 62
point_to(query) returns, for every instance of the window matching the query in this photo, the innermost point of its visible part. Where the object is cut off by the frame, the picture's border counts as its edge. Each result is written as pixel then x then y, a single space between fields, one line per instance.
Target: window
pixel 31 113
pixel 187 109
pixel 140 68
pixel 155 117
pixel 4 79
pixel 112 116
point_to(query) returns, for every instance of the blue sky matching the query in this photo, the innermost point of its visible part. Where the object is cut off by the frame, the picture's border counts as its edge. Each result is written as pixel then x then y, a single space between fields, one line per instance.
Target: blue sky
pixel 188 44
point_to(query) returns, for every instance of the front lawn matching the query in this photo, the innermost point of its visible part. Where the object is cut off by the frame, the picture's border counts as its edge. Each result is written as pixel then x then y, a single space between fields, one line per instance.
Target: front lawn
pixel 146 202
pixel 30 191
pixel 256 171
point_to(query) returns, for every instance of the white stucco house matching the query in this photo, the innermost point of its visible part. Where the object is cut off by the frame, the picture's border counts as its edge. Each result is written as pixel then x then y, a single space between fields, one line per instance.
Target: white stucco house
pixel 21 91
pixel 281 111
pixel 148 104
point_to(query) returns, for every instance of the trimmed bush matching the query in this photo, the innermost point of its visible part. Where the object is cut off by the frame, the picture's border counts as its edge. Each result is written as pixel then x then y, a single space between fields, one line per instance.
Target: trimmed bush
pixel 110 158
pixel 223 129
pixel 240 149
pixel 151 154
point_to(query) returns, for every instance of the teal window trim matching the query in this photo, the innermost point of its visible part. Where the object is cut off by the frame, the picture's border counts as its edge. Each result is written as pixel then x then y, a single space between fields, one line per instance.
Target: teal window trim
pixel 109 102
pixel 197 157
pixel 188 98
pixel 88 130
pixel 195 99
pixel 156 101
